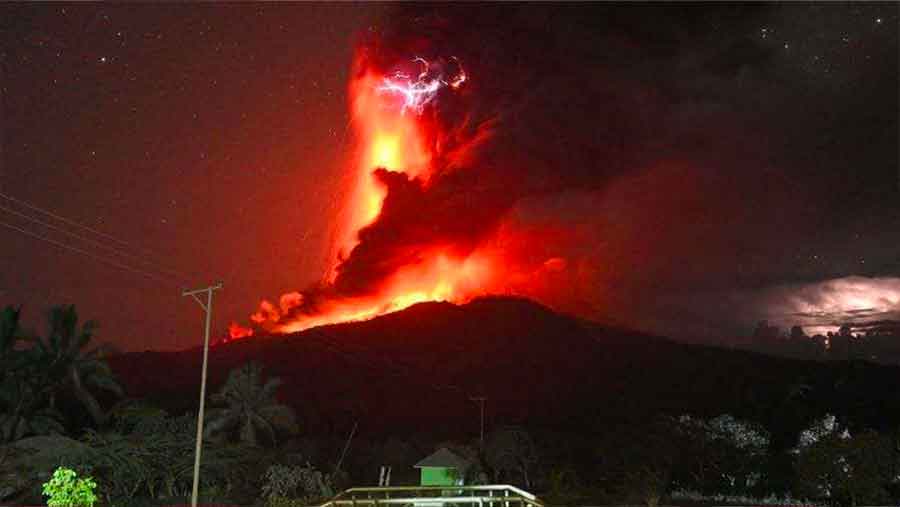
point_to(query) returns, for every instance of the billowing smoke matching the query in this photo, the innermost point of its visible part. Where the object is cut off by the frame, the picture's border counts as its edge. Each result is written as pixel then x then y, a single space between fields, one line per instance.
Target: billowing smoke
pixel 598 162
pixel 474 178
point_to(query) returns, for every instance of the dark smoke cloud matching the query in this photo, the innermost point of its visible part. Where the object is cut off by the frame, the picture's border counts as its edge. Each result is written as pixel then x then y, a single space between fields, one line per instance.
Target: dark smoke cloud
pixel 458 209
pixel 652 153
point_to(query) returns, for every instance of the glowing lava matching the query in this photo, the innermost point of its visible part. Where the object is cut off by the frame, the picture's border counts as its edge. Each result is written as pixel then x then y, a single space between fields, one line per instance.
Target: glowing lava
pixel 388 139
pixel 393 121
pixel 440 278
pixel 387 117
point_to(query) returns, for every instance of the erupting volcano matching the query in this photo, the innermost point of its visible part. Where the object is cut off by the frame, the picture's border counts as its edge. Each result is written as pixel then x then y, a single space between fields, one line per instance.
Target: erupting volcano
pixel 414 227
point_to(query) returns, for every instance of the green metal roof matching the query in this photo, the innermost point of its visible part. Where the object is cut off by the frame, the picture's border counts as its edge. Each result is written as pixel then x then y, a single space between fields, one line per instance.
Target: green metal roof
pixel 443 458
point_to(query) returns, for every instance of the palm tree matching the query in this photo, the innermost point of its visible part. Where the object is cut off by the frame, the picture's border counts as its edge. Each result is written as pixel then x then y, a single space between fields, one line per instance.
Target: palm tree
pixel 10 333
pixel 25 412
pixel 67 365
pixel 249 406
pixel 21 402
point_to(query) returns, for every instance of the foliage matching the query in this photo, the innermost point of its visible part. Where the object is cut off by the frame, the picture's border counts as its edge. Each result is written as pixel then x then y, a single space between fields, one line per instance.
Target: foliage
pixel 305 483
pixel 721 456
pixel 741 434
pixel 818 430
pixel 512 455
pixel 283 501
pixel 127 415
pixel 29 462
pixel 22 410
pixel 154 460
pixel 66 490
pixel 841 468
pixel 12 479
pixel 32 379
pixel 249 407
pixel 563 485
pixel 9 335
pixel 157 460
pixel 68 366
pixel 649 460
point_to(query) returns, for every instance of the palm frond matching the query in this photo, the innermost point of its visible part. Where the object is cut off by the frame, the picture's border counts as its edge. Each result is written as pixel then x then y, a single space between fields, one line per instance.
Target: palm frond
pixel 91 366
pixel 107 383
pixel 260 422
pixel 219 422
pixel 47 422
pixel 57 338
pixel 281 417
pixel 9 328
pixel 248 433
pixel 268 390
pixel 94 353
pixel 253 405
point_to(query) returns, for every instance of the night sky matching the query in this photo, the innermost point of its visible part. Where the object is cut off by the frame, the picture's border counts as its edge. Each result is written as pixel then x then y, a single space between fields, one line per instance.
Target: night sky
pixel 702 161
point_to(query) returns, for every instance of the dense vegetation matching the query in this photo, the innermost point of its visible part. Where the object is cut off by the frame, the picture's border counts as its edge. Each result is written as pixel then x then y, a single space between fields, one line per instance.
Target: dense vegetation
pixel 575 413
pixel 878 342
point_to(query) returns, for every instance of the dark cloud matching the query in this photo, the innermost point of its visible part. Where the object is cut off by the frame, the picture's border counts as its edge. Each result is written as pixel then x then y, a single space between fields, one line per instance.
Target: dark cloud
pixel 692 152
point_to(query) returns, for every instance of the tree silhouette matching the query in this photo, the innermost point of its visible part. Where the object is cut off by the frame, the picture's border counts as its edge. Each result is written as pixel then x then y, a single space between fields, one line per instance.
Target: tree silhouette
pixel 22 410
pixel 249 406
pixel 68 366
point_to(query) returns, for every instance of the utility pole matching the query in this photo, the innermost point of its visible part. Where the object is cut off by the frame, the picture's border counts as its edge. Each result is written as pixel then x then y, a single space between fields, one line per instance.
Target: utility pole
pixel 207 307
pixel 346 446
pixel 480 400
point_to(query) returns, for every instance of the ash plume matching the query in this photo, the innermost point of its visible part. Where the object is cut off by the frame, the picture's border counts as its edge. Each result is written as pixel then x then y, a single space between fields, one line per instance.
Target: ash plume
pixel 610 157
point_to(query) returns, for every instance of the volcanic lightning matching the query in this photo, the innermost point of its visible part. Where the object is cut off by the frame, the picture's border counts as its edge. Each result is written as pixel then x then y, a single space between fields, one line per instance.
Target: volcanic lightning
pixel 408 233
pixel 392 138
pixel 420 92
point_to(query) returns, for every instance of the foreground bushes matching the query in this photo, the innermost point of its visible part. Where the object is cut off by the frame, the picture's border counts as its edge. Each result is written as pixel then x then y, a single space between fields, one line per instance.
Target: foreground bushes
pixel 286 486
pixel 65 489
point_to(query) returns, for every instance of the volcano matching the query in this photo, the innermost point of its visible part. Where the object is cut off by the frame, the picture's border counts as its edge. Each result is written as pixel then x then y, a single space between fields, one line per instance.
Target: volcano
pixel 417 370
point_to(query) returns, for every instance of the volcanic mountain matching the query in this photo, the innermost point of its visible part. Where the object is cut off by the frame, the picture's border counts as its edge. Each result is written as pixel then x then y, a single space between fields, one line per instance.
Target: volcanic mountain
pixel 417 370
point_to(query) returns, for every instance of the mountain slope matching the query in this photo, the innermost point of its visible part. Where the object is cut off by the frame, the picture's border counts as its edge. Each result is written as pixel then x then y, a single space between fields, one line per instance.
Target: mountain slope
pixel 415 370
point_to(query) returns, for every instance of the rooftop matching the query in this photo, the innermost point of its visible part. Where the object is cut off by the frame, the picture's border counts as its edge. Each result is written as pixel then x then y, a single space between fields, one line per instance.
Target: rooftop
pixel 443 458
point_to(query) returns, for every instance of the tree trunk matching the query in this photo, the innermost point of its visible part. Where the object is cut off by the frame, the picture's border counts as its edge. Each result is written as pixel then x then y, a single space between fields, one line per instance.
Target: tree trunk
pixel 86 398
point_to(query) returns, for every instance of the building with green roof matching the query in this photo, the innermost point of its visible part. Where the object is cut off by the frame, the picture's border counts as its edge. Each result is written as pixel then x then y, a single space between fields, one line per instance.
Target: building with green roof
pixel 443 468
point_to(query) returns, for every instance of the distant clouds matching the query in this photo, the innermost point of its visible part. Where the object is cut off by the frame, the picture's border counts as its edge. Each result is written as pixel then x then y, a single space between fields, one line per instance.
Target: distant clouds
pixel 824 306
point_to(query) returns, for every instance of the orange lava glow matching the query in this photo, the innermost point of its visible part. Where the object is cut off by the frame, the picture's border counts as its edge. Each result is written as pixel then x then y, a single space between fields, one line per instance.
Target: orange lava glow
pixel 388 139
pixel 439 278
pixel 397 128
pixel 393 138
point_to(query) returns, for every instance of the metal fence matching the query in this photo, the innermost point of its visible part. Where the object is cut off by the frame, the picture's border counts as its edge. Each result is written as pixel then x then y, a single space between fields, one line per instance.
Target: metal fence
pixel 500 495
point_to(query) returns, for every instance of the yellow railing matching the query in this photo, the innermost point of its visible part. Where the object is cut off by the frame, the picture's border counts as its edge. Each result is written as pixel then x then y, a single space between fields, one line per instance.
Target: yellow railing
pixel 498 495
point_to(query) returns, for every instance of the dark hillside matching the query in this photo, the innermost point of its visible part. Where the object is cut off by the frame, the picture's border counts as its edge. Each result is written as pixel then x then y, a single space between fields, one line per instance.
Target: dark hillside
pixel 416 369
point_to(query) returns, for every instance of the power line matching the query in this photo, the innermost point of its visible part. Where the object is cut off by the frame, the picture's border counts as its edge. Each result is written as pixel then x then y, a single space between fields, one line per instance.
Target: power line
pixel 89 254
pixel 117 251
pixel 74 223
